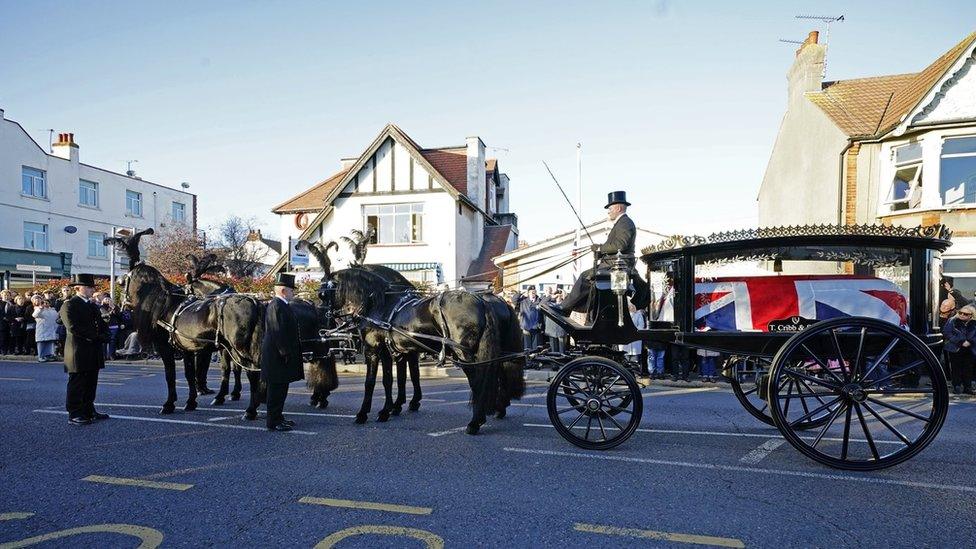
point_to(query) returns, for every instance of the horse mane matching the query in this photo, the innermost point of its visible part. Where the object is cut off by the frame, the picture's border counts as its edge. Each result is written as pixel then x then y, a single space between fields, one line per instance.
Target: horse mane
pixel 201 267
pixel 129 245
pixel 321 254
pixel 361 281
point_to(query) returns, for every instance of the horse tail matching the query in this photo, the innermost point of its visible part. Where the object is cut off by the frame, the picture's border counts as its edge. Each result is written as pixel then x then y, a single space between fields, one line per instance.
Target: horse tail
pixel 513 371
pixel 322 376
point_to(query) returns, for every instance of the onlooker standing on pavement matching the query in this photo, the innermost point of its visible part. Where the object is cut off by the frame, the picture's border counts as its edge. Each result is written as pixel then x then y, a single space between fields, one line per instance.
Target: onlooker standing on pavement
pixel 47 330
pixel 30 325
pixel 83 353
pixel 634 348
pixel 5 341
pixel 707 364
pixel 960 343
pixel 18 326
pixel 530 319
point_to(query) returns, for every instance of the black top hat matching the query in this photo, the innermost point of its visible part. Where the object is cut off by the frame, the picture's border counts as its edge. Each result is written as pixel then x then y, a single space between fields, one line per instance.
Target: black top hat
pixel 617 197
pixel 285 279
pixel 83 280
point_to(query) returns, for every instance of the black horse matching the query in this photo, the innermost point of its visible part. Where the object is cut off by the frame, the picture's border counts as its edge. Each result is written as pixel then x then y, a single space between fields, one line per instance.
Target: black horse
pixel 397 285
pixel 459 322
pixel 200 287
pixel 166 316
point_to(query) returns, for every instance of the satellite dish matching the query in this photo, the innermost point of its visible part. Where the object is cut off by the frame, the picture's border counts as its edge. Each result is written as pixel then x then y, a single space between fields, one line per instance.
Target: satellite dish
pixel 71 229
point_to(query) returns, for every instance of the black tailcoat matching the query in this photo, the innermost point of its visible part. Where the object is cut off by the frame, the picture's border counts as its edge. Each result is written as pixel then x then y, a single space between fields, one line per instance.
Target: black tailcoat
pixel 281 358
pixel 86 335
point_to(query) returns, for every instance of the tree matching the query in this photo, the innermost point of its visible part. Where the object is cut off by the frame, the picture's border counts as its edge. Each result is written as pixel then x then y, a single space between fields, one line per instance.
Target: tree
pixel 167 249
pixel 233 242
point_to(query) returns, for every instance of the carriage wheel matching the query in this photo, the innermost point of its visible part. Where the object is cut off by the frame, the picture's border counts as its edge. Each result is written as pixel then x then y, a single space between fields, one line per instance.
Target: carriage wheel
pixel 749 378
pixel 595 403
pixel 884 389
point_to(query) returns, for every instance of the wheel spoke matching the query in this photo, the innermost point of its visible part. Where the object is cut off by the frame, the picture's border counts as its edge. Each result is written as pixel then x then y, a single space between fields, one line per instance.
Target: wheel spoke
pixel 860 353
pixel 810 378
pixel 913 365
pixel 589 422
pixel 830 422
pixel 814 393
pixel 575 421
pixel 750 391
pixel 884 354
pixel 619 410
pixel 607 388
pixel 840 356
pixel 803 400
pixel 823 365
pixel 847 435
pixel 817 411
pixel 901 410
pixel 599 420
pixel 619 428
pixel 789 391
pixel 867 432
pixel 884 422
pixel 577 408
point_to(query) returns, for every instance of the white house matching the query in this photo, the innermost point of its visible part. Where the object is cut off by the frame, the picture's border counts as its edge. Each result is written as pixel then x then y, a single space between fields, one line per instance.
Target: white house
pixel 55 210
pixel 894 149
pixel 547 263
pixel 262 250
pixel 439 215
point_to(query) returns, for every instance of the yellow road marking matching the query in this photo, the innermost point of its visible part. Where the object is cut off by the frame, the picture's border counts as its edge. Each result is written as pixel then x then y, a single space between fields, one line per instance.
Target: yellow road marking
pixel 350 504
pixel 137 482
pixel 15 379
pixel 15 516
pixel 652 534
pixel 150 537
pixel 430 539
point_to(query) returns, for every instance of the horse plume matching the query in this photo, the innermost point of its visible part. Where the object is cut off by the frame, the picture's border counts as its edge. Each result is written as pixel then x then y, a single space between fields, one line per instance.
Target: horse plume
pixel 129 245
pixel 321 254
pixel 359 243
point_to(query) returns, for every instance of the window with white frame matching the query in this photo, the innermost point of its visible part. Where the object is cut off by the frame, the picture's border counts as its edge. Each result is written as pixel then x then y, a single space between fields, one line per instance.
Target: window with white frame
pixel 957 170
pixel 96 246
pixel 87 193
pixel 35 236
pixel 133 203
pixel 179 212
pixel 395 223
pixel 906 185
pixel 33 182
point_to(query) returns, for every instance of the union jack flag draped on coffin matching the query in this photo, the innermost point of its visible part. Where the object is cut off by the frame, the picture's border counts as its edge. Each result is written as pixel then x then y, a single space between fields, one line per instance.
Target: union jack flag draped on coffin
pixel 750 303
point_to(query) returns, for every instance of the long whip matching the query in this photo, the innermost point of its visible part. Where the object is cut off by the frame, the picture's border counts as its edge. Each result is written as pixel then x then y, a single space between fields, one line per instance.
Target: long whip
pixel 568 203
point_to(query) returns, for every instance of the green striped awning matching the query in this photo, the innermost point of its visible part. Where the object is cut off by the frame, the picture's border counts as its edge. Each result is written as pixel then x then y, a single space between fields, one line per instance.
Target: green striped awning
pixel 402 267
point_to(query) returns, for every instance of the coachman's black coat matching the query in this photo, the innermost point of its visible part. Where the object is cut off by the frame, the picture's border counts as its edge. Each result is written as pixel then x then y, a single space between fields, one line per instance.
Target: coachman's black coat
pixel 87 332
pixel 281 357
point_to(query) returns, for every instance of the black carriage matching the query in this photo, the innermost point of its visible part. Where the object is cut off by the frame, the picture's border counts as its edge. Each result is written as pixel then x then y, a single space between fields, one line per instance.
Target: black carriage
pixel 829 333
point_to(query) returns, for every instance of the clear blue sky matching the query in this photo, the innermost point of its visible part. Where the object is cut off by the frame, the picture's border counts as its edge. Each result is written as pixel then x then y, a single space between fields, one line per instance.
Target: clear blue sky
pixel 676 102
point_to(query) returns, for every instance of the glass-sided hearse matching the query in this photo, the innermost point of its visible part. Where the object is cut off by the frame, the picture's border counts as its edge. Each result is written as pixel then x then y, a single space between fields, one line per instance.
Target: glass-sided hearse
pixel 830 333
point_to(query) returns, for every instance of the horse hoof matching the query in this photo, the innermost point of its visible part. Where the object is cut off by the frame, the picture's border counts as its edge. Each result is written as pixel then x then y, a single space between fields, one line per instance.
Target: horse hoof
pixel 383 416
pixel 235 396
pixel 414 406
pixel 396 410
pixel 206 391
pixel 360 419
pixel 190 406
pixel 217 401
pixel 500 414
pixel 322 405
pixel 167 409
pixel 472 429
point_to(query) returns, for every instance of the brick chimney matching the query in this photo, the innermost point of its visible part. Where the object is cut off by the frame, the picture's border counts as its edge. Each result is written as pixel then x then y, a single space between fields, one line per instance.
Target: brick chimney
pixel 254 235
pixel 806 74
pixel 65 147
pixel 476 171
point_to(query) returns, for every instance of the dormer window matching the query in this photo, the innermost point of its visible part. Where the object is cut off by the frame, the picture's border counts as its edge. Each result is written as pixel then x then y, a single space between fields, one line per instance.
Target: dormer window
pixel 957 171
pixel 906 187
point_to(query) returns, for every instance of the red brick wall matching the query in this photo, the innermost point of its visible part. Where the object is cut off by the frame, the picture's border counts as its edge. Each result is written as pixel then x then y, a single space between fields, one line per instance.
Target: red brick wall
pixel 850 184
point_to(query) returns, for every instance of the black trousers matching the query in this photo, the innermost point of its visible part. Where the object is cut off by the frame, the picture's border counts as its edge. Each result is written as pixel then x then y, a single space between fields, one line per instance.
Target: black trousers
pixel 576 299
pixel 277 392
pixel 80 399
pixel 961 368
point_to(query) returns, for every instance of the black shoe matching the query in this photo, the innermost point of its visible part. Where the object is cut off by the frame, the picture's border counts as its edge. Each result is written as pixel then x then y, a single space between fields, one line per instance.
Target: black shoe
pixel 281 427
pixel 79 421
pixel 96 416
pixel 288 422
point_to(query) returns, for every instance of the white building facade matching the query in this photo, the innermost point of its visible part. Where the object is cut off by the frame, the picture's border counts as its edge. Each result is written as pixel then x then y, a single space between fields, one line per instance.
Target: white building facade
pixel 55 210
pixel 439 215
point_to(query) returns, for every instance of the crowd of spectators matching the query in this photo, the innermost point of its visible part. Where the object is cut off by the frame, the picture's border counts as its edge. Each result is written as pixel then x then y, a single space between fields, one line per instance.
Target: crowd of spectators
pixel 30 323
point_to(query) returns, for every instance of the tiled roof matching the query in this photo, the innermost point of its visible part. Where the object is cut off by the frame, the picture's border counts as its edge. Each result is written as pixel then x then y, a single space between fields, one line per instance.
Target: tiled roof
pixel 865 107
pixel 313 199
pixel 482 269
pixel 452 164
pixel 273 244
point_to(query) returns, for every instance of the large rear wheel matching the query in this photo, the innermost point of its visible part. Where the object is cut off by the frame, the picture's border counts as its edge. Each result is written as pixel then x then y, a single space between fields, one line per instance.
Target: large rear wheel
pixel 884 390
pixel 749 378
pixel 595 403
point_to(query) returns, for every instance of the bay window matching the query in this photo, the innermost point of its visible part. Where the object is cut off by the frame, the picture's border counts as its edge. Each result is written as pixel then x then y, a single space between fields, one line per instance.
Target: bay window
pixel 394 223
pixel 957 170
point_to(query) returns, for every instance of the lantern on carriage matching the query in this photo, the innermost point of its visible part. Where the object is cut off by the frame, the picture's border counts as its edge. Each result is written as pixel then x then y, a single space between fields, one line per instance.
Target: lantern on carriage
pixel 619 284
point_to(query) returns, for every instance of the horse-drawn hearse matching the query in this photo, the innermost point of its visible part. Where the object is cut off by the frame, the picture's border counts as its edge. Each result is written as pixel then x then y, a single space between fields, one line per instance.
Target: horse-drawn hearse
pixel 829 332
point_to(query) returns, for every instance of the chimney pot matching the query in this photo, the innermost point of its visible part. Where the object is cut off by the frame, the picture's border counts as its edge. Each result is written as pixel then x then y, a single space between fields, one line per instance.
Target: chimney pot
pixel 812 38
pixel 71 138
